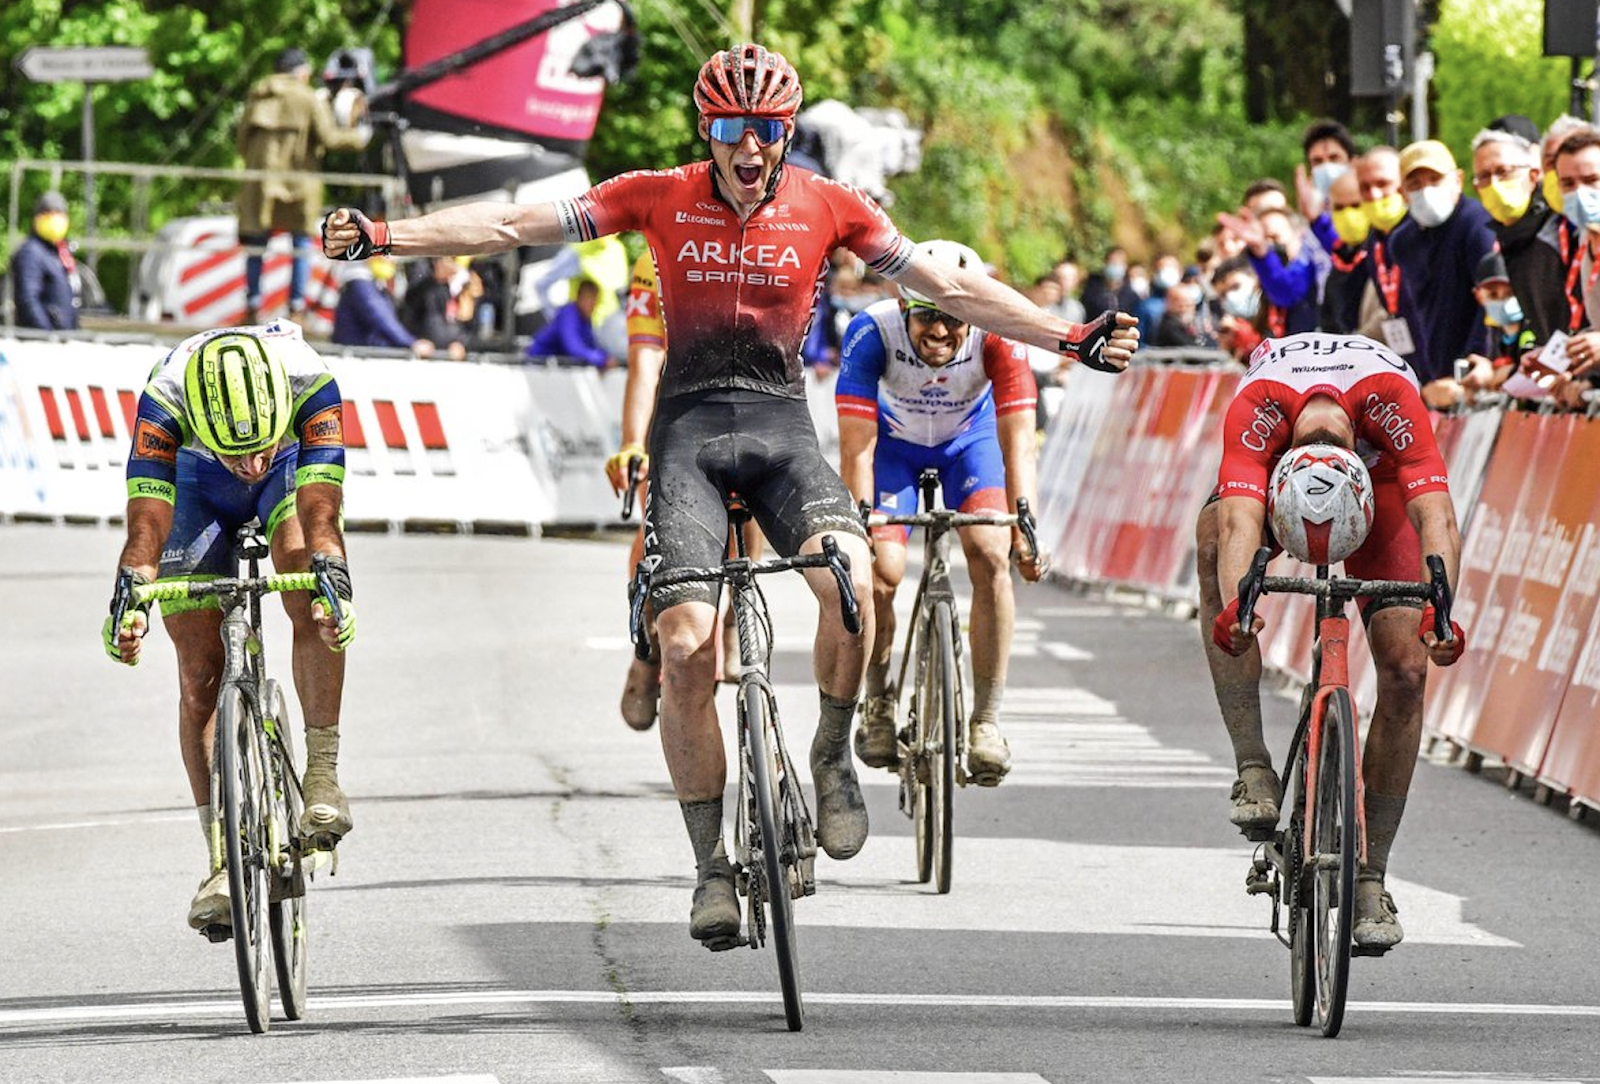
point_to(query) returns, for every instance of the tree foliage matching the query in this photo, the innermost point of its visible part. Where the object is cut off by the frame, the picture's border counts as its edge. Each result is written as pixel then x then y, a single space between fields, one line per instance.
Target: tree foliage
pixel 1488 63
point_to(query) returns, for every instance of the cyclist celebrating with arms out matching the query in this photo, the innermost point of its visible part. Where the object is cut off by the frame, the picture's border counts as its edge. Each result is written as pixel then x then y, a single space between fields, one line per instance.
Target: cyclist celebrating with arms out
pixel 740 246
pixel 1351 392
pixel 921 388
pixel 237 424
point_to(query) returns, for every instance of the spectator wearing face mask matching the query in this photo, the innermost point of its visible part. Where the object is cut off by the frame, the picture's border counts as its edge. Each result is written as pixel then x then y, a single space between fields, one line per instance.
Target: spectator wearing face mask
pixel 44 277
pixel 1436 254
pixel 1239 307
pixel 1328 151
pixel 1505 173
pixel 1108 287
pixel 1578 172
pixel 1282 263
pixel 1509 334
pixel 1347 284
pixel 1168 273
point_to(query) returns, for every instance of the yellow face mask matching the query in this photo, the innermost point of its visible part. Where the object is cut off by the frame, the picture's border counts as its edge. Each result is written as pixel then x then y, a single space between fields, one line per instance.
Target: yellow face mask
pixel 52 226
pixel 1506 201
pixel 1551 186
pixel 1385 214
pixel 1351 224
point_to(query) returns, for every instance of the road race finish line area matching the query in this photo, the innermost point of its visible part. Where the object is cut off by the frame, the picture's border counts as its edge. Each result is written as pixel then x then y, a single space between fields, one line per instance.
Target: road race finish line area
pixel 512 902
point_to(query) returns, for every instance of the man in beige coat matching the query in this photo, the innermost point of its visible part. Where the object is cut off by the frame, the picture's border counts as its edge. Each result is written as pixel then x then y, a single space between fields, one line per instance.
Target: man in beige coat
pixel 286 126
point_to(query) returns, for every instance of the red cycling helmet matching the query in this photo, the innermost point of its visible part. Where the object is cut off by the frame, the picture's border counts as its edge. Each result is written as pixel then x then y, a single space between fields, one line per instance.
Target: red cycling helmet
pixel 747 80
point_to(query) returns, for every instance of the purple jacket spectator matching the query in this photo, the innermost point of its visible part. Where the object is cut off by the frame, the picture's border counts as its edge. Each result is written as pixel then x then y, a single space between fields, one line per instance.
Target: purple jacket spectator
pixel 569 334
pixel 366 317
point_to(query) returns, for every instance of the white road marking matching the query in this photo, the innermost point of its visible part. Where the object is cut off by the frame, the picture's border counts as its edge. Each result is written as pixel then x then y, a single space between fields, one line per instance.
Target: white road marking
pixel 694 1074
pixel 479 1078
pixel 454 1000
pixel 1431 1079
pixel 836 1076
pixel 1065 652
pixel 61 826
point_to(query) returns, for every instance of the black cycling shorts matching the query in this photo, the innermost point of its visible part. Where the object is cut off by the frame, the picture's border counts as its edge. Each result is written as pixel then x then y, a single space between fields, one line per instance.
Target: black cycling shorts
pixel 762 447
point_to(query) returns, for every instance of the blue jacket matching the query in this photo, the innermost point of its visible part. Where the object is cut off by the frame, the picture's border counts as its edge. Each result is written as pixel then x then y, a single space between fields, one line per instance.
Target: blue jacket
pixel 569 334
pixel 366 317
pixel 1438 267
pixel 41 288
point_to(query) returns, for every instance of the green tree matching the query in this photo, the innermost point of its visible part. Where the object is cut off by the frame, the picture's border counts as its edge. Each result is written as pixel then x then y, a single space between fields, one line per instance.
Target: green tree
pixel 1489 63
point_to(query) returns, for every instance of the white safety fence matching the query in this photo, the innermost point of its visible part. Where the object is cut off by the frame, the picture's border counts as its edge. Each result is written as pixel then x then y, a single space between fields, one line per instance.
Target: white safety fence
pixel 430 444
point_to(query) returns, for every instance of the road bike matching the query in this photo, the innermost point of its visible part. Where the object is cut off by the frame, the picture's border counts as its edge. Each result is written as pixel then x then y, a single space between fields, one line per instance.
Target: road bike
pixel 1308 868
pixel 932 742
pixel 254 781
pixel 775 844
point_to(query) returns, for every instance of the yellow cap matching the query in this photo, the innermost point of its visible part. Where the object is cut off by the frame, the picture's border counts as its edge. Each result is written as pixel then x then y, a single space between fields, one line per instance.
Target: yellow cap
pixel 1427 154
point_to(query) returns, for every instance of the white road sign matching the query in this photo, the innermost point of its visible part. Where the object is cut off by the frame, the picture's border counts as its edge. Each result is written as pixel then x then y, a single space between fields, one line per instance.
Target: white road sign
pixel 85 64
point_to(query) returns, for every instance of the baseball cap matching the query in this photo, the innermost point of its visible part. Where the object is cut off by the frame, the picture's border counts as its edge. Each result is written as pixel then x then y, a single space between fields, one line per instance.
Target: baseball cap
pixel 1492 268
pixel 292 58
pixel 1427 154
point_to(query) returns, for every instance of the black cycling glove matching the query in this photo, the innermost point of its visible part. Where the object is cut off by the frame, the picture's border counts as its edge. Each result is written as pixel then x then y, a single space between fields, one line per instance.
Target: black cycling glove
pixel 1090 349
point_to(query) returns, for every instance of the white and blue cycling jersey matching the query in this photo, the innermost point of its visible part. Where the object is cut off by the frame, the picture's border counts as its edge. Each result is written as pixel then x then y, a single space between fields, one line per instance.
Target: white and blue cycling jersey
pixel 931 416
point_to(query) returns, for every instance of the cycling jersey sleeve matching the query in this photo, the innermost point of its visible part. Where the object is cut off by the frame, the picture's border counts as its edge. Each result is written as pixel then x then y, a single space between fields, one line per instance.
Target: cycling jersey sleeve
pixel 864 229
pixel 319 423
pixel 645 327
pixel 153 461
pixel 622 203
pixel 1255 433
pixel 861 363
pixel 1006 364
pixel 1394 420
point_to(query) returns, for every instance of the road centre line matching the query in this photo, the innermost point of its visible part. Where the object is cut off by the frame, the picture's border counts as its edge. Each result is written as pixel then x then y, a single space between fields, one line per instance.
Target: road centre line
pixel 337 1002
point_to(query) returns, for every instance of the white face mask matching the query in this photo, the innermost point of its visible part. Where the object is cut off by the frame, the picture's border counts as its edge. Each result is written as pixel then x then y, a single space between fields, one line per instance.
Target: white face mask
pixel 1432 205
pixel 1243 301
pixel 1324 174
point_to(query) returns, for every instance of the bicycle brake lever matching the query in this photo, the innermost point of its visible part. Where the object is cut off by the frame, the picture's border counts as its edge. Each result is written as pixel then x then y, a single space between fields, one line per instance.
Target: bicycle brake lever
pixel 121 599
pixel 638 595
pixel 1250 586
pixel 319 566
pixel 840 564
pixel 1028 526
pixel 634 463
pixel 1439 584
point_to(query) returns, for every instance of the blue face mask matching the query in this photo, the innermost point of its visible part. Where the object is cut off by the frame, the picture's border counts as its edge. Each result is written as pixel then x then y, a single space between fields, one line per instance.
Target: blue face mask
pixel 1504 313
pixel 1582 207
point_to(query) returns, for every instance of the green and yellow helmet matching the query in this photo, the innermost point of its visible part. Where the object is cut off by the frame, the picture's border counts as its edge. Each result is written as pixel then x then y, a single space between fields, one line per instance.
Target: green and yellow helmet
pixel 237 394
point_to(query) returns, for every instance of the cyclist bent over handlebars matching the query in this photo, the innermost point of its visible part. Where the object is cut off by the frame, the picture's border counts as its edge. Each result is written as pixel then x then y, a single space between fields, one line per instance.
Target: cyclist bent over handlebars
pixel 238 424
pixel 740 245
pixel 1352 392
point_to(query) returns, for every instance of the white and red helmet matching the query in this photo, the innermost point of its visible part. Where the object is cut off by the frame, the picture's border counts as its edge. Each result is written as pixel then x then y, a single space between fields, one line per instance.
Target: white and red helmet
pixel 748 81
pixel 953 253
pixel 1320 503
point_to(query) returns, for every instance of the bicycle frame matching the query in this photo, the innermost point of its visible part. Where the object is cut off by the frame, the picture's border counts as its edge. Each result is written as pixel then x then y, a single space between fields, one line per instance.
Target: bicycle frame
pixel 1330 670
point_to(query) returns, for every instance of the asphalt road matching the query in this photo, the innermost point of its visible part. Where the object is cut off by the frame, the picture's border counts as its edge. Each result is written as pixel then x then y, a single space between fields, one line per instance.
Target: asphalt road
pixel 511 906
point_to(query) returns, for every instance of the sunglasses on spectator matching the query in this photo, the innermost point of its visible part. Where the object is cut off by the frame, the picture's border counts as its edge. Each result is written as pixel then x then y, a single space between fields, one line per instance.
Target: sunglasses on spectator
pixel 1504 173
pixel 768 130
pixel 927 314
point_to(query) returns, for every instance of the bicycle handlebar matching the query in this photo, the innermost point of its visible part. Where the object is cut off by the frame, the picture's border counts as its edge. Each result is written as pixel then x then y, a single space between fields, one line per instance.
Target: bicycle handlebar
pixel 739 570
pixel 945 519
pixel 1256 583
pixel 635 462
pixel 172 590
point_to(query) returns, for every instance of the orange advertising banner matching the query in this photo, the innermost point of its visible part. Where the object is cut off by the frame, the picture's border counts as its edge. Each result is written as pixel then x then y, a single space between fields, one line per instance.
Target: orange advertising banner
pixel 1491 572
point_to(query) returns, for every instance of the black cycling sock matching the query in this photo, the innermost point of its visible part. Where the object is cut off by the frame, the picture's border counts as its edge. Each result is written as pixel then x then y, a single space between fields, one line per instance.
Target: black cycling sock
pixel 833 728
pixel 877 678
pixel 1383 821
pixel 704 821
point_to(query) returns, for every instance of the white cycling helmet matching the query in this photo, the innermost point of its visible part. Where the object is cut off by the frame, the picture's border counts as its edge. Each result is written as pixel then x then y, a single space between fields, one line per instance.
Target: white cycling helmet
pixel 951 252
pixel 1320 503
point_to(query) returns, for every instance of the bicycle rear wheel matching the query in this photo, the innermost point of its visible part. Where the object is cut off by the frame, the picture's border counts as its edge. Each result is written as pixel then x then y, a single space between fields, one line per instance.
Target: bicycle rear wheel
pixel 1302 963
pixel 243 792
pixel 286 913
pixel 1334 845
pixel 759 717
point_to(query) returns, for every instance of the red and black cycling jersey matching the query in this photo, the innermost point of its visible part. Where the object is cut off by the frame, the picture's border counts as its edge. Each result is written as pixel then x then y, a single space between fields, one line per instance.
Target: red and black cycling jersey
pixel 738 297
pixel 1374 385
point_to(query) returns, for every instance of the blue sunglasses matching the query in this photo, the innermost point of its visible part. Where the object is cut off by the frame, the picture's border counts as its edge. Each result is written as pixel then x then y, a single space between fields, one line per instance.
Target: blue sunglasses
pixel 768 130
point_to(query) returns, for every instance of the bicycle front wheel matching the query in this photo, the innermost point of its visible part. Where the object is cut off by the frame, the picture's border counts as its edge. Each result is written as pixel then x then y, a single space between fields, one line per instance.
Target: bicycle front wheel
pixel 286 911
pixel 759 717
pixel 239 765
pixel 943 753
pixel 1297 896
pixel 1334 846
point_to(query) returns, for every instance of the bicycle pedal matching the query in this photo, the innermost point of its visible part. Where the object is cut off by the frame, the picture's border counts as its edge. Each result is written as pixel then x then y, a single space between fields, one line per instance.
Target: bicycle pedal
pixel 1369 950
pixel 982 779
pixel 1259 834
pixel 217 933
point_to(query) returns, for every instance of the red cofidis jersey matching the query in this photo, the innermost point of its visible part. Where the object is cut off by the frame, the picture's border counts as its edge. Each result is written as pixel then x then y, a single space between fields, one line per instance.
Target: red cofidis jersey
pixel 1377 389
pixel 737 297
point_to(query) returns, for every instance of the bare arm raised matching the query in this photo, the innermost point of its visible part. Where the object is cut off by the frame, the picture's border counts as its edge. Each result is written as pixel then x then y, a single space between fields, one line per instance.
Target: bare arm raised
pixel 471 229
pixel 992 305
